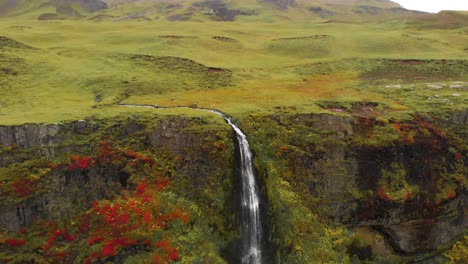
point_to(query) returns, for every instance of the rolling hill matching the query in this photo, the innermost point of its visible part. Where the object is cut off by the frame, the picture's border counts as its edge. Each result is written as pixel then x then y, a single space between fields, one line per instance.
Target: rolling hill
pixel 11 8
pixel 202 10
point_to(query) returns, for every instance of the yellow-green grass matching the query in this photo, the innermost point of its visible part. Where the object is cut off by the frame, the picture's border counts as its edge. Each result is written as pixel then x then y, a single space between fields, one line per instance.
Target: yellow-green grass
pixel 75 61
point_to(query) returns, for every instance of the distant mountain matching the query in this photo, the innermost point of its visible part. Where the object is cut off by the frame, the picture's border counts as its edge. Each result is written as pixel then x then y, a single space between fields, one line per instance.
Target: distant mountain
pixel 217 10
pixel 65 7
pixel 442 20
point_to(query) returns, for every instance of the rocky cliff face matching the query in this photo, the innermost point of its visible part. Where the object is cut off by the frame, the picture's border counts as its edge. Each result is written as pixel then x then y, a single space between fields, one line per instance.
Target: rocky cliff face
pixel 404 179
pixel 199 158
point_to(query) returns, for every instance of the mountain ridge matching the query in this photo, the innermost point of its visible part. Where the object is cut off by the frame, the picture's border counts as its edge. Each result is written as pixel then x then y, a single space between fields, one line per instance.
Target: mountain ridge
pixel 217 10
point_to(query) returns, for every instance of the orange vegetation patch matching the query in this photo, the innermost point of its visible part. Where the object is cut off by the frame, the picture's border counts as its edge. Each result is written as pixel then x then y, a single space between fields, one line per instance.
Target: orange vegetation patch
pixel 326 86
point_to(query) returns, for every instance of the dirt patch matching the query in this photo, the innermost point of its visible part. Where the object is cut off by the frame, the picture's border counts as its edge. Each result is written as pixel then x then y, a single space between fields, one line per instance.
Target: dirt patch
pixel 337 21
pixel 281 4
pixel 180 17
pixel 366 110
pixel 412 62
pixel 174 6
pixel 50 16
pixel 416 70
pixel 215 70
pixel 304 37
pixel 11 43
pixel 191 74
pixel 322 12
pixel 217 10
pixel 21 27
pixel 176 37
pixel 336 109
pixel 224 39
pixel 101 17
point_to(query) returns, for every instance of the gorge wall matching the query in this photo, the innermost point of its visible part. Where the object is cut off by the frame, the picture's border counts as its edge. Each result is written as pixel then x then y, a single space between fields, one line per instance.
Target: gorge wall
pixel 403 179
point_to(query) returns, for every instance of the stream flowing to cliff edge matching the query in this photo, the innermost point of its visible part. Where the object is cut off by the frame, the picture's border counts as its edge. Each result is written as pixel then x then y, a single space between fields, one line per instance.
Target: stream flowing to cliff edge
pixel 250 196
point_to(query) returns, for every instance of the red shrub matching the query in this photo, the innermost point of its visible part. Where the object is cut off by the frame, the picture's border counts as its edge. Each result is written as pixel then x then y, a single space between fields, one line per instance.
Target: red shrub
pixel 59 232
pixel 173 254
pixel 108 250
pixel 383 195
pixel 78 162
pixel 164 244
pixel 69 237
pixel 450 194
pixel 23 187
pixel 93 240
pixel 141 188
pixel 408 196
pixel 15 242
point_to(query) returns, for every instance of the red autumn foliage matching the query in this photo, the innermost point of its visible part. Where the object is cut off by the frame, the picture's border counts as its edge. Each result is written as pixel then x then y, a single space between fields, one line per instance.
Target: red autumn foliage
pixel 383 195
pixel 79 162
pixel 68 237
pixel 12 242
pixel 93 240
pixel 113 225
pixel 23 230
pixel 141 188
pixel 458 155
pixel 408 196
pixel 408 140
pixel 409 131
pixel 50 242
pixel 138 157
pixel 84 227
pixel 162 183
pixel 147 198
pixel 450 194
pixel 108 250
pixel 283 148
pixel 23 187
pixel 174 215
pixel 164 244
pixel 105 153
pixel 173 254
pixel 59 232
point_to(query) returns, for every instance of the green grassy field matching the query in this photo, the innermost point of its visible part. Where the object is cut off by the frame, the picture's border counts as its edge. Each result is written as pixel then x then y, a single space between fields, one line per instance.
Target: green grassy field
pixel 55 70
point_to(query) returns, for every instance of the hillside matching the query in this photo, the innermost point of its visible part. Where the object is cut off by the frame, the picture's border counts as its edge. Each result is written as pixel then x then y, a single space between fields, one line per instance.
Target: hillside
pixel 69 8
pixel 217 10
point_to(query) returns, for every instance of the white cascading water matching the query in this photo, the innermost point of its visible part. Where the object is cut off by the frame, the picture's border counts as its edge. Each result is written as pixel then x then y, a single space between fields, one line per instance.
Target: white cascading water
pixel 250 214
pixel 251 225
pixel 250 198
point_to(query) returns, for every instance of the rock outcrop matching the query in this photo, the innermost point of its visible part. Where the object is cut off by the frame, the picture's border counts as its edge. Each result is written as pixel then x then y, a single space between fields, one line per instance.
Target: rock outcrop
pixel 365 172
pixel 201 158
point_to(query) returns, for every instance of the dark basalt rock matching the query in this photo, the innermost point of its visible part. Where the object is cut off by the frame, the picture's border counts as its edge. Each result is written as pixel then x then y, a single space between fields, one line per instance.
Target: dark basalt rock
pixel 335 166
pixel 280 4
pixel 322 12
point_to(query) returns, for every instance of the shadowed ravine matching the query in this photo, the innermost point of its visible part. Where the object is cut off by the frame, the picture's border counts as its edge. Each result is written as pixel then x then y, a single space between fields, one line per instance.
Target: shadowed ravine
pixel 251 224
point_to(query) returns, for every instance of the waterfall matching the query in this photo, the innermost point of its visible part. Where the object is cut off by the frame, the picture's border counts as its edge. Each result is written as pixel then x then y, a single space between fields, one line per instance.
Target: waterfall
pixel 250 197
pixel 250 214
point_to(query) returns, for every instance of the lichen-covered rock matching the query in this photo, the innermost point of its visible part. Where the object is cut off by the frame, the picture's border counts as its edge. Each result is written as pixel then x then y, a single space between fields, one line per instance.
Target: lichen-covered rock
pixel 29 136
pixel 461 118
pixel 404 180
